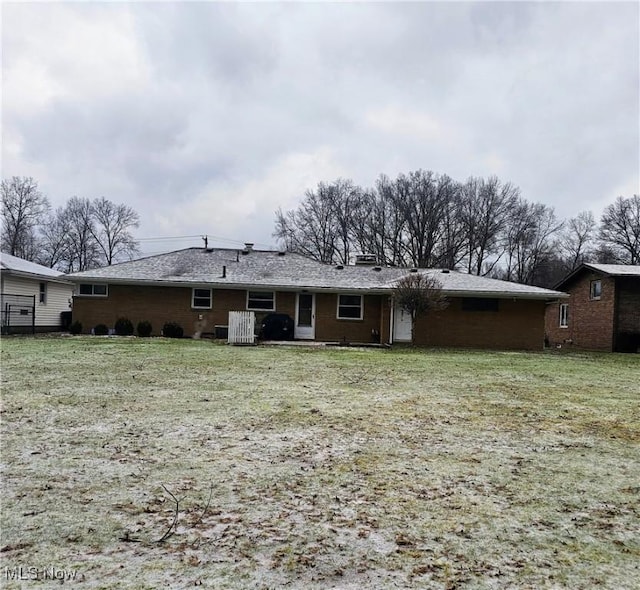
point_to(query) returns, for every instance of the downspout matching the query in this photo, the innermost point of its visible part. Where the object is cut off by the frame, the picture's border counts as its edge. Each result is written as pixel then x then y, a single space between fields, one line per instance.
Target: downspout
pixel 391 314
pixel 616 306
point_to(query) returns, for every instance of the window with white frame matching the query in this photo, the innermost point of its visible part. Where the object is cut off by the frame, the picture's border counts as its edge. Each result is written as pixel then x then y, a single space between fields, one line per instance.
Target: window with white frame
pixel 43 293
pixel 92 289
pixel 350 307
pixel 564 315
pixel 595 291
pixel 261 300
pixel 201 298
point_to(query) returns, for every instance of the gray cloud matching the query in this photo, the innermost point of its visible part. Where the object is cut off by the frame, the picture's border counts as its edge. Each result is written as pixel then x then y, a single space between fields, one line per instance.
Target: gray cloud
pixel 206 117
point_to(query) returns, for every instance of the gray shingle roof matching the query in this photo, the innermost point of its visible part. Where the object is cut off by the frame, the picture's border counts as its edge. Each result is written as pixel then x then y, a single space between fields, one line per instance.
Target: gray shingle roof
pixel 617 270
pixel 286 271
pixel 614 270
pixel 19 266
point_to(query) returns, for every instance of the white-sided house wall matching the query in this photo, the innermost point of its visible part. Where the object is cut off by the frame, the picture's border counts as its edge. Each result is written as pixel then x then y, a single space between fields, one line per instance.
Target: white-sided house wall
pixel 56 298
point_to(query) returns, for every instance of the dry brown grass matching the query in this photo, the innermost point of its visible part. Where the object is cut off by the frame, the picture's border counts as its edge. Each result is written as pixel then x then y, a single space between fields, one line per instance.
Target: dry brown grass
pixel 330 468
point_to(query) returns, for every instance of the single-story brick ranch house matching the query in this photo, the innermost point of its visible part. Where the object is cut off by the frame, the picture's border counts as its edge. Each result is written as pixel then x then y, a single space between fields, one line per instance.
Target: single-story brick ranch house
pixel 197 288
pixel 602 312
pixel 32 297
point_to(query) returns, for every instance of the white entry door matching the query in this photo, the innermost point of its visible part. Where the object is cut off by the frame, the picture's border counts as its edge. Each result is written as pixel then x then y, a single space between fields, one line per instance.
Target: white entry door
pixel 305 328
pixel 401 325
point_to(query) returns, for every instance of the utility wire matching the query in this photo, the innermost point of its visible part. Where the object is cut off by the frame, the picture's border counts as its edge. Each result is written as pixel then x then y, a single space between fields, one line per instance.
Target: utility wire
pixel 168 238
pixel 156 242
pixel 200 236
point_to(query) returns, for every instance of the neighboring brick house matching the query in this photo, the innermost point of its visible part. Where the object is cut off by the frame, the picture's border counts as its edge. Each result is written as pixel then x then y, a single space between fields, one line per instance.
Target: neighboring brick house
pixel 33 297
pixel 197 288
pixel 602 312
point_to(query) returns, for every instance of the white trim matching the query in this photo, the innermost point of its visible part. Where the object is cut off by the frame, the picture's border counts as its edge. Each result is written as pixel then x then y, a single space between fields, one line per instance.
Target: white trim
pixel 401 328
pixel 273 294
pixel 305 332
pixel 358 319
pixel 93 288
pixel 547 295
pixel 42 293
pixel 564 315
pixel 193 298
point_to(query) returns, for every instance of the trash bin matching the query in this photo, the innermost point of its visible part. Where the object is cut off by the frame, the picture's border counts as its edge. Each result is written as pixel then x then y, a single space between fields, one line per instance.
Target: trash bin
pixel 65 320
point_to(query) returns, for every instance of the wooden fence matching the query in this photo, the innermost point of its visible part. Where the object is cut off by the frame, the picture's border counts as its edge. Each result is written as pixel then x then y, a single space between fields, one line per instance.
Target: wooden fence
pixel 241 327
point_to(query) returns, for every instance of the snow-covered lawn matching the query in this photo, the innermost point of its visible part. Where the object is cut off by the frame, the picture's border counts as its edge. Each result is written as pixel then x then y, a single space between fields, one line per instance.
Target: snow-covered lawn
pixel 316 468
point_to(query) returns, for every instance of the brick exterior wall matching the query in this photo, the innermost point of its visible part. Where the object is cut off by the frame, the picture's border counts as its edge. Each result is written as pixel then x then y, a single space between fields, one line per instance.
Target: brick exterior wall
pixel 590 322
pixel 159 305
pixel 173 304
pixel 518 324
pixel 332 329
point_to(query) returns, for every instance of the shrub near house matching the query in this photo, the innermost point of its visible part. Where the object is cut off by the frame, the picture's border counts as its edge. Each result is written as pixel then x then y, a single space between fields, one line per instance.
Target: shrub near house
pixel 123 327
pixel 196 289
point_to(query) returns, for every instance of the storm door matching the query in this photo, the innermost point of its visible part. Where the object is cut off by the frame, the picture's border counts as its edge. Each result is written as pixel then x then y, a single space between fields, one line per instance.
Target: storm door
pixel 305 328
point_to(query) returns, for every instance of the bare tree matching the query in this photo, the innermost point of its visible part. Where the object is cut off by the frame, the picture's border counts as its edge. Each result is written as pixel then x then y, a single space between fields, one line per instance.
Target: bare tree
pixel 345 199
pixel 308 230
pixel 425 219
pixel 530 242
pixel 83 252
pixel 112 230
pixel 377 225
pixel 389 224
pixel 54 241
pixel 418 294
pixel 422 199
pixel 451 248
pixel 367 223
pixel 620 229
pixel 485 210
pixel 321 227
pixel 576 240
pixel 605 254
pixel 23 208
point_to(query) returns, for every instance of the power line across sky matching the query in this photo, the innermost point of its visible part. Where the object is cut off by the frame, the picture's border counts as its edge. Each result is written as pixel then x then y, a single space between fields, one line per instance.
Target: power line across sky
pixel 150 246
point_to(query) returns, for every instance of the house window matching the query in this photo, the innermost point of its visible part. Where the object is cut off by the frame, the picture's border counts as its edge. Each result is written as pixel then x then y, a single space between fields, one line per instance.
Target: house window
pixel 564 315
pixel 350 307
pixel 43 293
pixel 480 304
pixel 201 298
pixel 93 290
pixel 596 290
pixel 261 300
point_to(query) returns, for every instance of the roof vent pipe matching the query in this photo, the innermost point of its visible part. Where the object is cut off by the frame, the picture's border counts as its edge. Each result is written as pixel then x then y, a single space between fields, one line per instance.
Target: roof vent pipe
pixel 224 271
pixel 248 246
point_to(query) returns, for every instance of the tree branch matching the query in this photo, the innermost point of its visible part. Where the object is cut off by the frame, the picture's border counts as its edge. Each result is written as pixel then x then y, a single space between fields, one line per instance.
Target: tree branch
pixel 171 530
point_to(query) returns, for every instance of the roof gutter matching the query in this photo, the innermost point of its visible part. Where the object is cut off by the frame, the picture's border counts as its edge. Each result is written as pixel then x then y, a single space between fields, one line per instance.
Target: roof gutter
pixel 36 277
pixel 225 285
pixel 551 295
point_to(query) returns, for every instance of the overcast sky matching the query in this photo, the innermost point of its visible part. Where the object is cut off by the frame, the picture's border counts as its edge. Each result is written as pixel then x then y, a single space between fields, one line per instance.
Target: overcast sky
pixel 207 117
